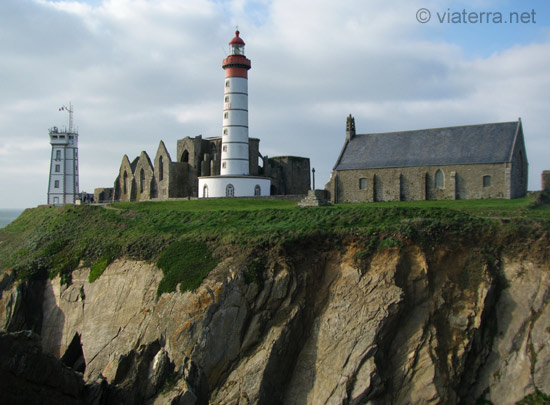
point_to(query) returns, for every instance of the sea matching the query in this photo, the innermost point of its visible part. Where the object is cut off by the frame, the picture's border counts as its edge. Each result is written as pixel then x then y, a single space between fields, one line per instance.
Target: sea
pixel 8 215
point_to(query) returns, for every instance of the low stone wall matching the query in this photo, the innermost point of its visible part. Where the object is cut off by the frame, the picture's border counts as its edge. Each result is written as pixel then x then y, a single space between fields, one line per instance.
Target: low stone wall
pixel 104 195
pixel 291 197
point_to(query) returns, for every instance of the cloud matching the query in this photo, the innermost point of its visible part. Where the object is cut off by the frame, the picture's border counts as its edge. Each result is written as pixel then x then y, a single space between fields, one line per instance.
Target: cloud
pixel 140 71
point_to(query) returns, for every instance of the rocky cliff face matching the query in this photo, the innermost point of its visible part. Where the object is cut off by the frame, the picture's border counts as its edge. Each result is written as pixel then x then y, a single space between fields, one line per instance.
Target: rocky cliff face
pixel 320 325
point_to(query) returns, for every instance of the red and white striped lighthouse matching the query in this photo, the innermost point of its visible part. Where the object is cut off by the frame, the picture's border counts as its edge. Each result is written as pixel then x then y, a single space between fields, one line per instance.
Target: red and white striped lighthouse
pixel 235 110
pixel 234 179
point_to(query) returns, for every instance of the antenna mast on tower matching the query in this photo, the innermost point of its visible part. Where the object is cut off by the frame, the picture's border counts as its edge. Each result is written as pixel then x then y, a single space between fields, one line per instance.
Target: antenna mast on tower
pixel 70 110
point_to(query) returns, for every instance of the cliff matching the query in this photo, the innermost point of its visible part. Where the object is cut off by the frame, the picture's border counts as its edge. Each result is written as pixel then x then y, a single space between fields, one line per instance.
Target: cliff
pixel 447 314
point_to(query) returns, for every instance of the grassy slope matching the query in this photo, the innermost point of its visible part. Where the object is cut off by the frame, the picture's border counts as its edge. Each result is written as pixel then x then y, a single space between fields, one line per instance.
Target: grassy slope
pixel 54 240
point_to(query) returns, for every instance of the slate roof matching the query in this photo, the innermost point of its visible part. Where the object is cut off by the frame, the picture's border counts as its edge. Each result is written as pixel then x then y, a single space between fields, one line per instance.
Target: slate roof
pixel 472 144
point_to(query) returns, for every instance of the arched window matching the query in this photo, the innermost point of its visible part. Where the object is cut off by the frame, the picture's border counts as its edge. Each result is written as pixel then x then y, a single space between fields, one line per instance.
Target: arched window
pixel 161 169
pixel 185 156
pixel 205 191
pixel 439 179
pixel 125 182
pixel 257 190
pixel 141 180
pixel 230 190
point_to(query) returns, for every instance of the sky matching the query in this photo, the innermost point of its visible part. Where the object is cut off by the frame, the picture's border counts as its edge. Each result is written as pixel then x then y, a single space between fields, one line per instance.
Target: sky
pixel 141 71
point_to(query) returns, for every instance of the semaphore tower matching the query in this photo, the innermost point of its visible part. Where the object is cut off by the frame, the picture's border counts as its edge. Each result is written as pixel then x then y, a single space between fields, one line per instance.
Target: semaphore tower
pixel 63 184
pixel 234 179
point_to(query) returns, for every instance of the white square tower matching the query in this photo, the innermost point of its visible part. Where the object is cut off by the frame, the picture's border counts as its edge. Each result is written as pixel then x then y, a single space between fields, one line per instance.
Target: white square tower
pixel 63 184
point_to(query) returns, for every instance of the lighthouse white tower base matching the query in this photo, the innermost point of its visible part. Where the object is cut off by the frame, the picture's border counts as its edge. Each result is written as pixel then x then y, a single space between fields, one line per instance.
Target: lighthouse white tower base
pixel 233 186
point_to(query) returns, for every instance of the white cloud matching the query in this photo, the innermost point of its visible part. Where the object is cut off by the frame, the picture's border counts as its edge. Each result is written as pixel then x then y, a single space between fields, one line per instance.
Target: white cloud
pixel 138 71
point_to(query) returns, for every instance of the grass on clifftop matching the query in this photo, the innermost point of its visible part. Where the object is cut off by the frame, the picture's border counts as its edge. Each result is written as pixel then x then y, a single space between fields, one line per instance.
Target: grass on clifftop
pixel 55 240
pixel 184 262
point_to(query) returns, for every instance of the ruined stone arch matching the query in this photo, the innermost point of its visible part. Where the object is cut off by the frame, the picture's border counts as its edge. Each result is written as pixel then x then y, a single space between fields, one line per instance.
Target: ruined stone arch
pixel 125 182
pixel 141 180
pixel 185 156
pixel 144 178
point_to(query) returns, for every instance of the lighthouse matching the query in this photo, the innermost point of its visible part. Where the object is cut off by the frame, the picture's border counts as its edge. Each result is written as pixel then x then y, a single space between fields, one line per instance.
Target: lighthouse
pixel 234 179
pixel 235 110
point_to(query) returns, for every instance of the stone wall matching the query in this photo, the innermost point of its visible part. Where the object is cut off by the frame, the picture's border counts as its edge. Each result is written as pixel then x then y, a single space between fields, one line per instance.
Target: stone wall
pixel 290 175
pixel 125 185
pixel 162 171
pixel 545 180
pixel 518 170
pixel 253 156
pixel 419 183
pixel 145 179
pixel 104 195
pixel 179 184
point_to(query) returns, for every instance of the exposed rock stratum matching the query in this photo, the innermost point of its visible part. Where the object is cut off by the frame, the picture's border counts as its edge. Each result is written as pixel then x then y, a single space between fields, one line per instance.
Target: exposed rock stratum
pixel 397 326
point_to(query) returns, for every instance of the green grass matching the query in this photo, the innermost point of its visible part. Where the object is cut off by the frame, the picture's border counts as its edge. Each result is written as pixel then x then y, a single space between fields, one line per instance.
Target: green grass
pixel 229 204
pixel 54 240
pixel 99 266
pixel 518 207
pixel 185 262
pixel 538 398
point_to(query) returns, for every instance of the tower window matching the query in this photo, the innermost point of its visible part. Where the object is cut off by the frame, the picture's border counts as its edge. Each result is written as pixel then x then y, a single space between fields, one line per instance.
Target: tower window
pixel 225 115
pixel 363 184
pixel 58 154
pixel 224 148
pixel 224 165
pixel 230 190
pixel 225 131
pixel 56 184
pixel 227 83
pixel 57 168
pixel 486 181
pixel 226 99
